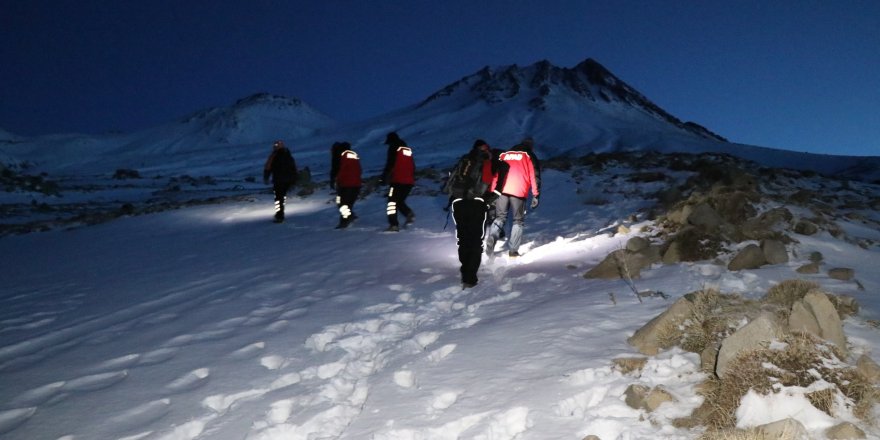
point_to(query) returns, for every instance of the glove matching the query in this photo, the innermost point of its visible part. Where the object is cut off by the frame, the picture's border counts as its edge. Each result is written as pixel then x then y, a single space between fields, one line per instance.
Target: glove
pixel 491 198
pixel 535 202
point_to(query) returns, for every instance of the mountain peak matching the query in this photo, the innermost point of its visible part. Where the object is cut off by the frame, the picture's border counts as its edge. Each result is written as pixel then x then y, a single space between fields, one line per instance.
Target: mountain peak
pixel 264 98
pixel 588 82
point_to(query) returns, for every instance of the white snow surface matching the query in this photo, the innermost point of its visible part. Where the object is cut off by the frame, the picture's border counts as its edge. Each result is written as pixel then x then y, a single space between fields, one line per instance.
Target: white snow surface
pixel 211 322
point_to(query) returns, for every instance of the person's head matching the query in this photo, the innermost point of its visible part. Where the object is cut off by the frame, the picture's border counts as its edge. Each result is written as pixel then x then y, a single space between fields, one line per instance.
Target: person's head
pixel 528 143
pixel 279 144
pixel 393 139
pixel 481 145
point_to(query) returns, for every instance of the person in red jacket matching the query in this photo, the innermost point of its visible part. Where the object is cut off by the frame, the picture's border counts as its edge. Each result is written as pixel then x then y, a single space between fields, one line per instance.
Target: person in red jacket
pixel 399 174
pixel 345 177
pixel 282 168
pixel 516 179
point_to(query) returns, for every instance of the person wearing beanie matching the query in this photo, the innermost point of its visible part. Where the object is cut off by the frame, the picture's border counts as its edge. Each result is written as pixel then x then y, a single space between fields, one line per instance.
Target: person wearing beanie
pixel 516 180
pixel 345 177
pixel 282 168
pixel 470 193
pixel 399 174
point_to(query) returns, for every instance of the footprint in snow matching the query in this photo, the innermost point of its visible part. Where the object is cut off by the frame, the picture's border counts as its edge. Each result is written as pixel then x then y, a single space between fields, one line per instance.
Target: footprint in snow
pixel 141 415
pixel 10 419
pixel 210 335
pixel 249 351
pixel 273 362
pixel 189 381
pixel 443 400
pixel 278 326
pixel 39 395
pixel 441 353
pixel 95 381
pixel 121 362
pixel 157 356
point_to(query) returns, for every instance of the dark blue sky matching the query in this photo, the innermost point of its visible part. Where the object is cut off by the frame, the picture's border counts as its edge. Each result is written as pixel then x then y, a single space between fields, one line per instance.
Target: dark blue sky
pixel 801 75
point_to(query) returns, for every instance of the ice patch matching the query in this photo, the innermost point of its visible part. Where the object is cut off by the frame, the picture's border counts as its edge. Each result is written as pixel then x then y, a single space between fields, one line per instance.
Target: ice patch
pixel 441 353
pixel 404 378
pixel 272 362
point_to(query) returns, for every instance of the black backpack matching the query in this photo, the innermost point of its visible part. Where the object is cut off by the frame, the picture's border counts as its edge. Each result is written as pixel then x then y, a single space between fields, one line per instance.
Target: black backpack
pixel 466 179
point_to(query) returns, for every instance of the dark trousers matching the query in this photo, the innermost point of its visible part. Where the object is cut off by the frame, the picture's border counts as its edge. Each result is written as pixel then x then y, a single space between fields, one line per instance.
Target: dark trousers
pixel 345 198
pixel 503 205
pixel 470 217
pixel 280 189
pixel 397 195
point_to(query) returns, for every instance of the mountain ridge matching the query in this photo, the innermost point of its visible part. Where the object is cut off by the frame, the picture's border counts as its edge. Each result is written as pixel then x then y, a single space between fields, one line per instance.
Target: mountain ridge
pixel 568 111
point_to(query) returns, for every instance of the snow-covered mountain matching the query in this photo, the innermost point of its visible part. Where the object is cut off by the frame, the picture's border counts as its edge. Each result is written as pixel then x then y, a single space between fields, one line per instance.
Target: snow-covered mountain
pixel 213 134
pixel 568 111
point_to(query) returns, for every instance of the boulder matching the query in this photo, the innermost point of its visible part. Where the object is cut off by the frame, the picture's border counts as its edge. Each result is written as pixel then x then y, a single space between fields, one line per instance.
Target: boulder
pixel 774 251
pixel 637 244
pixel 787 429
pixel 802 319
pixel 750 257
pixel 809 268
pixel 804 227
pixel 672 254
pixel 845 430
pixel 634 396
pixel 623 263
pixel 657 397
pixel 830 325
pixel 755 335
pixel 648 338
pixel 642 397
pixel 841 273
pixel 705 217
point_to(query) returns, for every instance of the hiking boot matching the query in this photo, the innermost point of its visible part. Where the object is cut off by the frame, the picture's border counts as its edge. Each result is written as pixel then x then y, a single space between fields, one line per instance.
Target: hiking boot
pixel 393 228
pixel 513 254
pixel 468 285
pixel 410 218
pixel 342 225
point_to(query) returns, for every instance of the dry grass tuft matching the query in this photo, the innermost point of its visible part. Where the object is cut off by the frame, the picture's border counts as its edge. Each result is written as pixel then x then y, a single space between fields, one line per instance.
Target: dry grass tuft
pixel 788 292
pixel 734 434
pixel 804 360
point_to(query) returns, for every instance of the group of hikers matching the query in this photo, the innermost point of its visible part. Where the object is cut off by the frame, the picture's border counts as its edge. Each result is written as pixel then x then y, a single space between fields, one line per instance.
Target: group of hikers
pixel 485 186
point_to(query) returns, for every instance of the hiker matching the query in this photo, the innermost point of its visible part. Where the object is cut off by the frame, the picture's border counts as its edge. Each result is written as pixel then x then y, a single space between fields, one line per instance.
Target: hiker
pixel 345 178
pixel 516 179
pixel 282 168
pixel 399 174
pixel 470 194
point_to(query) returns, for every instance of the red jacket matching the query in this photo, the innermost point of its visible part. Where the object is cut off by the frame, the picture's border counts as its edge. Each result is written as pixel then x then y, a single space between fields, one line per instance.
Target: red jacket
pixel 349 170
pixel 520 175
pixel 403 169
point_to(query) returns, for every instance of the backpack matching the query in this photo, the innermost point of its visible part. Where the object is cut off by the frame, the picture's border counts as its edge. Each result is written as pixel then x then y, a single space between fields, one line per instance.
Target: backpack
pixel 466 179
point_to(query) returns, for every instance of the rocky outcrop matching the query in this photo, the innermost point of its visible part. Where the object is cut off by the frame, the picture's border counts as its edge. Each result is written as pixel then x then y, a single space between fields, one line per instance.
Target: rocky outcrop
pixel 655 335
pixel 755 335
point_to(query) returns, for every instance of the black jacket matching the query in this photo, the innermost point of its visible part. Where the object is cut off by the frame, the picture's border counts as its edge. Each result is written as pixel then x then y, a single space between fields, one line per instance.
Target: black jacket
pixel 281 166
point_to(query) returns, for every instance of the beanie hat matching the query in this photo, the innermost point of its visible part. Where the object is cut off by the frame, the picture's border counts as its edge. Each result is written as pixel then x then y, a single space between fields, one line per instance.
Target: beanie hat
pixel 528 142
pixel 392 139
pixel 479 143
